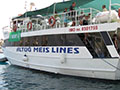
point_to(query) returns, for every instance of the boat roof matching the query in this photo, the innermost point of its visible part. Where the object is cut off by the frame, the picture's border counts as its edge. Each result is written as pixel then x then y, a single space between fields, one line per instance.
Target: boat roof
pixel 60 6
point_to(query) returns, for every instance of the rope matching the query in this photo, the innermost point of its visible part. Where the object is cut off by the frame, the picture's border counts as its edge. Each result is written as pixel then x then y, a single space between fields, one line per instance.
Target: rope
pixel 111 64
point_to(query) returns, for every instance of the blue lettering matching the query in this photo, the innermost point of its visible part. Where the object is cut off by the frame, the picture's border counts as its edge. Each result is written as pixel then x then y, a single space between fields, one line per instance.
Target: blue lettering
pixel 47 50
pixel 76 50
pixel 18 50
pixel 29 49
pixel 35 49
pixel 25 49
pixel 40 49
pixel 44 50
pixel 70 50
pixel 22 49
pixel 57 50
pixel 53 50
pixel 62 50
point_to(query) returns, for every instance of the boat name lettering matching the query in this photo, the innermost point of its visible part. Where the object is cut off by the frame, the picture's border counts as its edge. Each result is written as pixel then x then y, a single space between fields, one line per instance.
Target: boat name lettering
pixel 23 49
pixel 70 50
pixel 86 28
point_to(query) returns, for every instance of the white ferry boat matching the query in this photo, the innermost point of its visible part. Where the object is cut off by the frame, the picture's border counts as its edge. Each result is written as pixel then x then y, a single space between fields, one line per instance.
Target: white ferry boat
pixel 81 42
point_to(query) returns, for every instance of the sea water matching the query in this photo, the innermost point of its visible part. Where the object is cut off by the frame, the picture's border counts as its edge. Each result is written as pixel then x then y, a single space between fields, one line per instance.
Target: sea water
pixel 18 78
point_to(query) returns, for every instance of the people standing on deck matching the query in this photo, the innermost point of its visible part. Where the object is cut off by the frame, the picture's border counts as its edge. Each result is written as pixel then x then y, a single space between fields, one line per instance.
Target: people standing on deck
pixel 65 17
pixel 104 8
pixel 115 41
pixel 81 17
pixel 57 18
pixel 85 21
pixel 119 44
pixel 72 12
pixel 56 15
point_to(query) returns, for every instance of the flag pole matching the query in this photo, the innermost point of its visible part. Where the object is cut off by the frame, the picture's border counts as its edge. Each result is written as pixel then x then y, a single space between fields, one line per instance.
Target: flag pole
pixel 54 8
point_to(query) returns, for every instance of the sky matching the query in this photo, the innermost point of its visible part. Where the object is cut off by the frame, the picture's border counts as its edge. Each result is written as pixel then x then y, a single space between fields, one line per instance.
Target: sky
pixel 11 8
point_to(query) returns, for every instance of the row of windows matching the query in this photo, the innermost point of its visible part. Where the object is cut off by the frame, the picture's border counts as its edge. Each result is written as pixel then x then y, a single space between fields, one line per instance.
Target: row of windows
pixel 51 40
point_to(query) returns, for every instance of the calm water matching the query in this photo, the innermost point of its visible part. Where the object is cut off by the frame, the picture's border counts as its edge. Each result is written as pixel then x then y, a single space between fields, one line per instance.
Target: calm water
pixel 18 78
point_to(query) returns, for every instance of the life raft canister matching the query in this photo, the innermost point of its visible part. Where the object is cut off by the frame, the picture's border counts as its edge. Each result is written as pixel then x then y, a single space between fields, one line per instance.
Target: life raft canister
pixel 14 27
pixel 51 21
pixel 29 26
pixel 119 12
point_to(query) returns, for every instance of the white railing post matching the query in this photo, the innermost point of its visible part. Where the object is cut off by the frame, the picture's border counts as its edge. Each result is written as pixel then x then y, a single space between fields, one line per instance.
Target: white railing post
pixel 109 11
pixel 76 17
pixel 91 15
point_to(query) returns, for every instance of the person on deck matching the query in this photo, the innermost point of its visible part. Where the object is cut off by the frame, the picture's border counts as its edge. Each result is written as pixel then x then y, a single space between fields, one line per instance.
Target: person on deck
pixel 82 15
pixel 72 6
pixel 65 17
pixel 85 21
pixel 72 12
pixel 56 15
pixel 115 41
pixel 104 8
pixel 80 18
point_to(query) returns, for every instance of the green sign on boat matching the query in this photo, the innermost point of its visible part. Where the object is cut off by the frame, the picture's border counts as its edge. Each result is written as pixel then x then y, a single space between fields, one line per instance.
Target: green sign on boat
pixel 15 36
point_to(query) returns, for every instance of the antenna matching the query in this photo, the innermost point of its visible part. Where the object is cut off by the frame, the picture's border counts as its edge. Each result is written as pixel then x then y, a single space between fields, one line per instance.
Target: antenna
pixel 25 6
pixel 31 5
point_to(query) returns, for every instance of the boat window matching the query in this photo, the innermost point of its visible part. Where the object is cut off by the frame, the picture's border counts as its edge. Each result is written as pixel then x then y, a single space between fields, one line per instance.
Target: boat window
pixel 49 40
pixel 73 40
pixel 44 40
pixel 95 44
pixel 106 38
pixel 56 40
pixel 115 35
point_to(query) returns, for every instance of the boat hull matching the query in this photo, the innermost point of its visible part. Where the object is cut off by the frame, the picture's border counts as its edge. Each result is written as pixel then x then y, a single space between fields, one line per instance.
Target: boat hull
pixel 67 64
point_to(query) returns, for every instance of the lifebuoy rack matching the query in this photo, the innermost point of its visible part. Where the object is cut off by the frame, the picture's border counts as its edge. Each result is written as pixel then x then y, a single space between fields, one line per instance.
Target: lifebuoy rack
pixel 51 21
pixel 29 25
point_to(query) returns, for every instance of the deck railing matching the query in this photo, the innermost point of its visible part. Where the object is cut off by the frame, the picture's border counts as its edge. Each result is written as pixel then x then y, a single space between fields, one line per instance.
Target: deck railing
pixel 61 20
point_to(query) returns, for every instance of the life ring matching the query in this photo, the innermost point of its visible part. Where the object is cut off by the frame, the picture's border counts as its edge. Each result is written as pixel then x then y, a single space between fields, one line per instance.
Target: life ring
pixel 14 27
pixel 29 26
pixel 51 21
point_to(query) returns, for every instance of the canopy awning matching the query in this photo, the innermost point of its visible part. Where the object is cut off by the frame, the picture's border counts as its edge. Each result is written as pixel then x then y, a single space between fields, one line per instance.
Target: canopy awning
pixel 97 4
pixel 59 7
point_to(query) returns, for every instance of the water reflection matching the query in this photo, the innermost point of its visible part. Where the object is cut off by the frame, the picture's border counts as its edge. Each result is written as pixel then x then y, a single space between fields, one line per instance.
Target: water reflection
pixel 3 65
pixel 17 78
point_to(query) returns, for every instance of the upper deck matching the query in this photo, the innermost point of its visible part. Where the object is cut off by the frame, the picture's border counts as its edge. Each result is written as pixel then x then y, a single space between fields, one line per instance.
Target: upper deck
pixel 86 19
pixel 81 20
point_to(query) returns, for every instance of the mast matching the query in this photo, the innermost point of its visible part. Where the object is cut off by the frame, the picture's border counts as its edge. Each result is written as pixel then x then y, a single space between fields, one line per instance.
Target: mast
pixel 25 8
